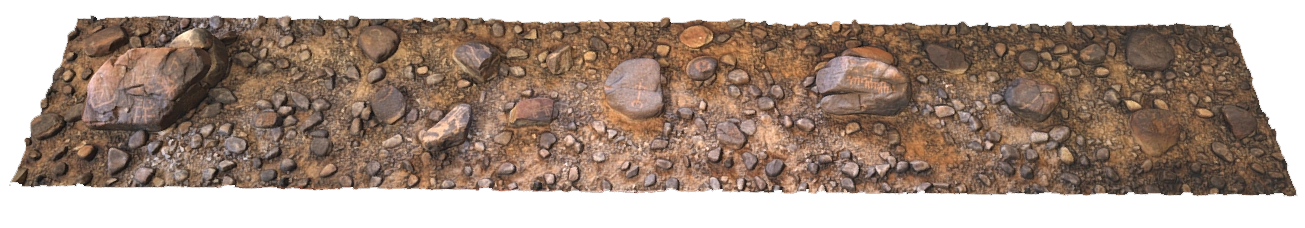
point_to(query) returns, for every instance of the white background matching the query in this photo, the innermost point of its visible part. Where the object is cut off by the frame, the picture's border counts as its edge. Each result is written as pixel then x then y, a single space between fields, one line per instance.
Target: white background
pixel 34 37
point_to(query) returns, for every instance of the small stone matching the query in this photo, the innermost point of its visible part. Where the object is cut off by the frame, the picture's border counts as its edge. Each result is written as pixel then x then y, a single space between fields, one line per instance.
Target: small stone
pixel 634 89
pixel 143 175
pixel 1059 133
pixel 774 168
pixel 116 161
pixel 1221 150
pixel 506 169
pixel 103 42
pixel 850 169
pixel 729 134
pixel 871 53
pixel 267 175
pixel 650 180
pixel 749 160
pixel 1132 105
pixel 378 43
pixel 288 165
pixel 696 36
pixel 319 146
pixel 478 60
pixel 46 125
pixel 1147 50
pixel 1028 60
pixel 737 77
pixel 1038 137
pixel 1032 99
pixel 805 124
pixel 1204 113
pixel 559 60
pixel 1155 129
pixel 1242 123
pixel 532 112
pixel 701 68
pixel 1092 54
pixel 919 166
pixel 234 145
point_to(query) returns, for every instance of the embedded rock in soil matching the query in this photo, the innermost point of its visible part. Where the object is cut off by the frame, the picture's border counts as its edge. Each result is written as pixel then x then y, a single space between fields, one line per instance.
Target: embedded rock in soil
pixel 701 68
pixel 1156 130
pixel 1032 99
pixel 389 104
pixel 634 89
pixel 729 134
pixel 855 85
pixel 696 36
pixel 479 61
pixel 449 131
pixel 1240 121
pixel 947 59
pixel 103 42
pixel 532 112
pixel 1147 50
pixel 871 53
pixel 558 61
pixel 46 125
pixel 378 43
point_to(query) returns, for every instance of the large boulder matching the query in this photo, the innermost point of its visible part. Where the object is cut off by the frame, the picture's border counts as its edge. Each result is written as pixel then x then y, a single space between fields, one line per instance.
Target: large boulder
pixel 634 89
pixel 856 85
pixel 150 88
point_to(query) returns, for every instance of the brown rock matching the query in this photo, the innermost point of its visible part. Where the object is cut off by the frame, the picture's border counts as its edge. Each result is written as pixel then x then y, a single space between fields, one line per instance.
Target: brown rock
pixel 378 43
pixel 449 131
pixel 103 42
pixel 1148 51
pixel 478 60
pixel 558 61
pixel 1156 130
pixel 855 85
pixel 871 53
pixel 267 119
pixel 696 36
pixel 532 112
pixel 1092 54
pixel 388 104
pixel 143 175
pixel 947 59
pixel 1032 99
pixel 634 89
pixel 1028 60
pixel 1241 122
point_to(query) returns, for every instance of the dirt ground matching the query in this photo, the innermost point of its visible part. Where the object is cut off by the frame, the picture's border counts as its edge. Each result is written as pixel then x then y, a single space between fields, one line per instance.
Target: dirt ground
pixel 949 137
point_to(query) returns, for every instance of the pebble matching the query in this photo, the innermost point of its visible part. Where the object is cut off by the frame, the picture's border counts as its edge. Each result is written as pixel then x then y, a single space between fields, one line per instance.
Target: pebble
pixel 633 89
pixel 850 169
pixel 267 175
pixel 46 125
pixel 288 165
pixel 377 42
pixel 1221 150
pixel 1066 156
pixel 696 36
pixel 1103 154
pixel 1241 123
pixel 728 134
pixel 506 168
pixel 1156 130
pixel 943 111
pixel 701 68
pixel 532 112
pixel 737 77
pixel 947 59
pixel 116 160
pixel 1148 50
pixel 919 166
pixel 650 180
pixel 235 144
pixel 663 164
pixel 142 176
pixel 1028 60
pixel 449 131
pixel 805 124
pixel 1204 113
pixel 749 160
pixel 1032 99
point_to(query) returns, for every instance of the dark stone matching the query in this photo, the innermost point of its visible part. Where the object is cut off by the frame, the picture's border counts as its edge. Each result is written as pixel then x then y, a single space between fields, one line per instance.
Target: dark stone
pixel 1028 60
pixel 46 125
pixel 855 85
pixel 1221 150
pixel 650 180
pixel 319 146
pixel 749 160
pixel 850 169
pixel 1032 99
pixel 235 145
pixel 728 134
pixel 701 68
pixel 547 139
pixel 634 89
pixel 143 175
pixel 1092 54
pixel 267 119
pixel 378 43
pixel 103 42
pixel 388 104
pixel 116 160
pixel 267 175
pixel 506 168
pixel 1241 122
pixel 774 168
pixel 1147 50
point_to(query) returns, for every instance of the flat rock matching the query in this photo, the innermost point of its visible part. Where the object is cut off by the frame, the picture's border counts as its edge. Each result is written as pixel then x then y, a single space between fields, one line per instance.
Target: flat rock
pixel 388 104
pixel 947 59
pixel 855 85
pixel 871 53
pixel 143 175
pixel 116 160
pixel 266 119
pixel 532 112
pixel 701 68
pixel 378 43
pixel 478 60
pixel 46 125
pixel 449 131
pixel 103 42
pixel 729 135
pixel 1147 50
pixel 1032 99
pixel 1241 122
pixel 1155 130
pixel 634 90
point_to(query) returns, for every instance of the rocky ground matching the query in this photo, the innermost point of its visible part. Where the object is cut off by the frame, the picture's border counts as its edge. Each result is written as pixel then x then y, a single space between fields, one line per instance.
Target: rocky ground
pixel 651 106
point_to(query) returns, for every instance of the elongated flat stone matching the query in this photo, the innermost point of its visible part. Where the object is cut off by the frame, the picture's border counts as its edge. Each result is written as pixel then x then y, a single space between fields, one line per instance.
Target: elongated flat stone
pixel 855 85
pixel 634 89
